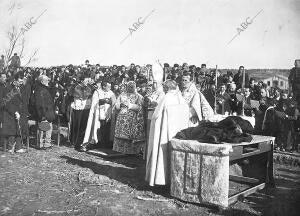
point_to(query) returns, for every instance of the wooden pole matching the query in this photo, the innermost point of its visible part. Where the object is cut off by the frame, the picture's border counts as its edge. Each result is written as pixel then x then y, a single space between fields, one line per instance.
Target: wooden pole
pixel 216 83
pixel 243 93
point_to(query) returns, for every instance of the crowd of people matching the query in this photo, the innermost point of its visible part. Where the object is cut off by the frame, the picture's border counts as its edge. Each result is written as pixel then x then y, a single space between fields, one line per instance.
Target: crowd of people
pixel 108 107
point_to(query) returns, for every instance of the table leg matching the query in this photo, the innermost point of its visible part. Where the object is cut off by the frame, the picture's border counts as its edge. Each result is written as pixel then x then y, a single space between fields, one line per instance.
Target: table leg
pixel 270 169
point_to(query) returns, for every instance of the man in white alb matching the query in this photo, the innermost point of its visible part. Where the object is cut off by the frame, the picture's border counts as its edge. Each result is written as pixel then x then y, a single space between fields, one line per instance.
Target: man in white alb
pixel 170 116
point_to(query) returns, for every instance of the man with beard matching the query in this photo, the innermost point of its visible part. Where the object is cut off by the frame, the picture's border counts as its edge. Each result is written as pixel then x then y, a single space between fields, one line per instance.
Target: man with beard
pixel 15 121
pixel 98 128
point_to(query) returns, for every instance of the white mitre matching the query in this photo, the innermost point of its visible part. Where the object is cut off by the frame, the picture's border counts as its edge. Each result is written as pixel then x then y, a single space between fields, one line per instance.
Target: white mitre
pixel 157 72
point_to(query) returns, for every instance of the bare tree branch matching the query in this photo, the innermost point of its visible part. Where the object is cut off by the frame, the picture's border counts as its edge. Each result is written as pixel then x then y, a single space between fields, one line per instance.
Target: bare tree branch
pixel 22 48
pixel 13 38
pixel 32 58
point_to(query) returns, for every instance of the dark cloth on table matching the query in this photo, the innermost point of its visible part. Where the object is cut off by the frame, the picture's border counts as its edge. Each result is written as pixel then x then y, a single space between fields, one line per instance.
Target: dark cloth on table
pixel 233 129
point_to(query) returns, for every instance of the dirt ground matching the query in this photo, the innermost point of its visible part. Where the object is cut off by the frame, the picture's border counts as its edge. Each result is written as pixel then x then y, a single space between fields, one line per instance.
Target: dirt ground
pixel 62 181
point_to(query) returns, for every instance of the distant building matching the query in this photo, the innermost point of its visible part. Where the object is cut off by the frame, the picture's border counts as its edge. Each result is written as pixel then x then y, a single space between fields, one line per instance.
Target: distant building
pixel 279 81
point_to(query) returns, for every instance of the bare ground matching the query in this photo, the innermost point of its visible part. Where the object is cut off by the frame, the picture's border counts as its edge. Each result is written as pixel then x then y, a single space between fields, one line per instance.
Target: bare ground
pixel 62 181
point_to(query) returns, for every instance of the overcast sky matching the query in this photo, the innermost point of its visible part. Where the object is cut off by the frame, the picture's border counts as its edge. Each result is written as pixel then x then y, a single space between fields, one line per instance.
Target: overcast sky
pixel 176 31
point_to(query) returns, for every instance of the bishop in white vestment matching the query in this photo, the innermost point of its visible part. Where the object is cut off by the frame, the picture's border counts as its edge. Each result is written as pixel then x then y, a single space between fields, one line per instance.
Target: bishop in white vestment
pixel 170 116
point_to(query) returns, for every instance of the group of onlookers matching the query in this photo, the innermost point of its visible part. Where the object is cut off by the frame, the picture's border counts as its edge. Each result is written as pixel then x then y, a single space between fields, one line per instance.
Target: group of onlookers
pixel 43 93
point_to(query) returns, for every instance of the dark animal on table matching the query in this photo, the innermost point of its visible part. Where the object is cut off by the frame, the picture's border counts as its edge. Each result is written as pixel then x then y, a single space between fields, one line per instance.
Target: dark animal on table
pixel 232 129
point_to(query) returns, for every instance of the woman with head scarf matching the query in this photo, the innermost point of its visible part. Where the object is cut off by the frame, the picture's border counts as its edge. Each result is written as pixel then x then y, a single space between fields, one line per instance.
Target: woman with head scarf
pixel 129 137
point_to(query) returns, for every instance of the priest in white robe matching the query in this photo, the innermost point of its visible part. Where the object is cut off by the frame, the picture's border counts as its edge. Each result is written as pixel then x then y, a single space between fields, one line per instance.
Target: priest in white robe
pixel 170 116
pixel 98 125
pixel 199 107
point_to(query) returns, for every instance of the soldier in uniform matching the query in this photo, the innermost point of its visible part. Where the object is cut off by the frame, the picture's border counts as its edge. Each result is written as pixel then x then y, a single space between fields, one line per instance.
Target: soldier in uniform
pixel 294 81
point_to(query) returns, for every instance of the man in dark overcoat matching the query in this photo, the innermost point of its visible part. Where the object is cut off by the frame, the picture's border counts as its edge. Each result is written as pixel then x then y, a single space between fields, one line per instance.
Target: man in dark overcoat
pixel 14 112
pixel 45 110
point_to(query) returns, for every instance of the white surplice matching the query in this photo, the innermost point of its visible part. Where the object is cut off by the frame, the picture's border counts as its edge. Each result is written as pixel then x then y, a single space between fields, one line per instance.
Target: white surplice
pixel 97 112
pixel 170 116
pixel 198 104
